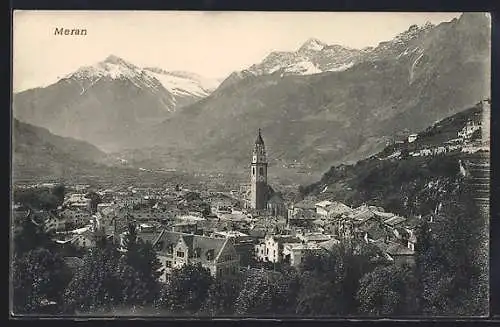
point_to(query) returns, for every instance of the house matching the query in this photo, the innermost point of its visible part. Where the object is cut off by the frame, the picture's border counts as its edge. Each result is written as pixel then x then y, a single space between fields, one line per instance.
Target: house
pixel 302 208
pixel 394 221
pixel 185 227
pixel 218 255
pixel 329 245
pixel 322 208
pixel 84 239
pixel 396 252
pixel 412 138
pixel 337 209
pixel 313 237
pixel 271 249
pixel 244 245
pixel 294 253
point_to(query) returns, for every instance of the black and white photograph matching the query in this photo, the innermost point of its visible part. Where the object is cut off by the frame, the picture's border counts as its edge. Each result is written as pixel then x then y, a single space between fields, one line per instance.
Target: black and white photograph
pixel 232 164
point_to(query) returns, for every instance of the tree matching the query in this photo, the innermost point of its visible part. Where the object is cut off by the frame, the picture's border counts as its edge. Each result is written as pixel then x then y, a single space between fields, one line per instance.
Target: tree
pixel 222 296
pixel 186 289
pixel 329 280
pixel 256 295
pixel 387 291
pixel 59 191
pixel 30 235
pixel 451 258
pixel 38 198
pixel 38 276
pixel 141 267
pixel 98 285
pixel 267 293
pixel 95 199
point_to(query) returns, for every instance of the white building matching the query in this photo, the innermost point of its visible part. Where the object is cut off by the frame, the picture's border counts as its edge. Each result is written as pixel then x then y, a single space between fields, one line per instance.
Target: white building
pixel 412 138
pixel 271 249
pixel 322 208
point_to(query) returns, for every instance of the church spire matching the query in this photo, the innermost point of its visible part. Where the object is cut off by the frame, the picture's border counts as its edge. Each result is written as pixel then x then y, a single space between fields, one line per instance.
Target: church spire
pixel 259 139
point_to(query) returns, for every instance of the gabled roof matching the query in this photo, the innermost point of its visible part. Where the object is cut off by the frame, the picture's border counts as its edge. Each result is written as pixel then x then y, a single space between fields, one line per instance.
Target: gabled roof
pixel 394 221
pixel 276 198
pixel 393 248
pixel 362 215
pixel 323 204
pixel 285 239
pixel 396 249
pixel 148 236
pixel 204 245
pixel 329 245
pixel 337 208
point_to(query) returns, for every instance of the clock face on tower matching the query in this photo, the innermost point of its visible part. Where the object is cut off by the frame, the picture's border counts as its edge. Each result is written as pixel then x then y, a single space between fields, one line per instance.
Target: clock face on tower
pixel 254 159
pixel 261 179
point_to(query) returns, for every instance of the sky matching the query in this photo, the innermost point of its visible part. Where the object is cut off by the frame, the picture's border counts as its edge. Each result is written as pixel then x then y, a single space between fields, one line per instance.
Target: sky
pixel 212 44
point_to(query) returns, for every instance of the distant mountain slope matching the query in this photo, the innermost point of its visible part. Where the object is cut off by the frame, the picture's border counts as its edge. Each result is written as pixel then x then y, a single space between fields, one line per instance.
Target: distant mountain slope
pixel 315 120
pixel 38 155
pixel 37 152
pixel 409 177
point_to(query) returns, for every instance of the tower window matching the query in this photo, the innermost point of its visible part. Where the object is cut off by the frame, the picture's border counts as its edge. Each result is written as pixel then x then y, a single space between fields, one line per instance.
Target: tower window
pixel 261 171
pixel 253 170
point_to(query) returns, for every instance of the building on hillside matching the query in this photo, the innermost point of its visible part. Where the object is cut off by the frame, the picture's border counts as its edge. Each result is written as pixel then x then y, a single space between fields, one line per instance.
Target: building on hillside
pixel 468 129
pixel 412 138
pixel 218 255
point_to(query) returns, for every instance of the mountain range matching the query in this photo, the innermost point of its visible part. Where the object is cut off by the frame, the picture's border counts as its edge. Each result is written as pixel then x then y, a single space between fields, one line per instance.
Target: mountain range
pixel 107 101
pixel 316 106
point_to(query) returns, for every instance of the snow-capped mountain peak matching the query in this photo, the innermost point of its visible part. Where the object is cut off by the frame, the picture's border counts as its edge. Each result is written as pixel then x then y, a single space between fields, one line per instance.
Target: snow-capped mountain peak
pixel 312 44
pixel 313 57
pixel 112 67
pixel 184 87
pixel 182 83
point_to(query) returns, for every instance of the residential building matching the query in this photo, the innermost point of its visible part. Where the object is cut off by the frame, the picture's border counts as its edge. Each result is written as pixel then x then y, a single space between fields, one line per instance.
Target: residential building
pixel 322 208
pixel 271 248
pixel 218 255
pixel 294 253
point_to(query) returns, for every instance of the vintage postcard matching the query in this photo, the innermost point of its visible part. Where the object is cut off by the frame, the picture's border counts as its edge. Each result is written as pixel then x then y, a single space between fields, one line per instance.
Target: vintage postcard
pixel 250 164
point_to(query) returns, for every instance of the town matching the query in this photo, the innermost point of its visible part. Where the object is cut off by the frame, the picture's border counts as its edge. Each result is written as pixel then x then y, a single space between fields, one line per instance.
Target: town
pixel 233 229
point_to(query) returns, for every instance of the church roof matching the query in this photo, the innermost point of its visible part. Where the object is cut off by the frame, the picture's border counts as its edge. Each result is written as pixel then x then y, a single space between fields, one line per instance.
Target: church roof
pixel 259 139
pixel 276 198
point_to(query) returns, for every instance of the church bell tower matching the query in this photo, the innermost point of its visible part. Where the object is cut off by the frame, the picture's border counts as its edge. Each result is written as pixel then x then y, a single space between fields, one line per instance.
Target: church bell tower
pixel 258 181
